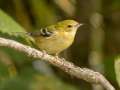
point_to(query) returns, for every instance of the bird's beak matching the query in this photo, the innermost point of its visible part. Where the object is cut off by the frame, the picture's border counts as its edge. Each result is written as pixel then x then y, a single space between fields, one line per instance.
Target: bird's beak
pixel 79 25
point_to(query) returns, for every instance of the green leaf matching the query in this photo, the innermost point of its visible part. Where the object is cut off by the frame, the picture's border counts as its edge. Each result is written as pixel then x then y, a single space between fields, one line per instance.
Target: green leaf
pixel 117 69
pixel 8 25
pixel 10 29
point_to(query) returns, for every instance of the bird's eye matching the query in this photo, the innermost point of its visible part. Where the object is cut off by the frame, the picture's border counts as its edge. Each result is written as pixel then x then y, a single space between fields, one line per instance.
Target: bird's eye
pixel 69 26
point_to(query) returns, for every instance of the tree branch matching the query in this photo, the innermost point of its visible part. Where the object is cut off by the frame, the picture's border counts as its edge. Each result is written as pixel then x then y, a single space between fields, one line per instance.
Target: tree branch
pixel 70 68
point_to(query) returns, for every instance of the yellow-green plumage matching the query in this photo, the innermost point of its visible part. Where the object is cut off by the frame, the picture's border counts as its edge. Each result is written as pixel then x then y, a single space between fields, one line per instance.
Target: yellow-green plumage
pixel 62 37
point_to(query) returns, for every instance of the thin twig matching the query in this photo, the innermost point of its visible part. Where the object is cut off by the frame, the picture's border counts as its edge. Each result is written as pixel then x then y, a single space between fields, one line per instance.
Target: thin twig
pixel 81 73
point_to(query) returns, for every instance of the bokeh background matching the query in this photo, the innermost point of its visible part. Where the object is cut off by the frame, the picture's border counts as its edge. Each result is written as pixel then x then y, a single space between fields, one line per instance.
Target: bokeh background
pixel 96 46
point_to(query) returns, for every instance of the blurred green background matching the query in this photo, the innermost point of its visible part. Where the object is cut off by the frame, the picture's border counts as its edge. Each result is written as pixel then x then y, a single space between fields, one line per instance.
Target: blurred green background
pixel 96 46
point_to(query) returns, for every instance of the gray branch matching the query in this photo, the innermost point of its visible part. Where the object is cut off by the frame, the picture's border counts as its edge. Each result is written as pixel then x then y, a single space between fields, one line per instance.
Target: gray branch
pixel 80 73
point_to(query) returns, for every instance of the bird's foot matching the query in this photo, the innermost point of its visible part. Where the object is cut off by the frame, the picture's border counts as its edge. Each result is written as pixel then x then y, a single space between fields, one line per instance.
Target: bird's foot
pixel 44 53
pixel 57 56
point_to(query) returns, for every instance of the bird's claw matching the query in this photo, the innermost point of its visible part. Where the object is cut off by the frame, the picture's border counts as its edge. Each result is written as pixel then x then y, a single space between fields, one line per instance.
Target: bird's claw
pixel 56 57
pixel 44 53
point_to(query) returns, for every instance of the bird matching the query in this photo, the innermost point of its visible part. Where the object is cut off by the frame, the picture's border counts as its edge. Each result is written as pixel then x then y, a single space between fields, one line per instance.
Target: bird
pixel 55 38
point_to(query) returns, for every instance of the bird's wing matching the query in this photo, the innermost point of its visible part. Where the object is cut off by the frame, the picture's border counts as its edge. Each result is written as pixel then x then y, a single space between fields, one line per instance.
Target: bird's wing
pixel 45 32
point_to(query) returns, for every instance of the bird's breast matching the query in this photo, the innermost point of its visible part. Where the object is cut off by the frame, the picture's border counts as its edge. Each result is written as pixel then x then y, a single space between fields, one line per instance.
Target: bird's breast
pixel 56 43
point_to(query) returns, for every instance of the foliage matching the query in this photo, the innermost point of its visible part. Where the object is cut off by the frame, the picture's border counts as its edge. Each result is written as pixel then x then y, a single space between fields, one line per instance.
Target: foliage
pixel 96 44
pixel 9 78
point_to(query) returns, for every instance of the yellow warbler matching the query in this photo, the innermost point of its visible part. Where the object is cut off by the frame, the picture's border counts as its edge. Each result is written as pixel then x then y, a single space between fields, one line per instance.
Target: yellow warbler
pixel 56 38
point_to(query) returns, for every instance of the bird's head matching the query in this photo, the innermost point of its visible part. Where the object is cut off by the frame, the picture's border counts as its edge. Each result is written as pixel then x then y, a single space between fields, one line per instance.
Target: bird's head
pixel 68 25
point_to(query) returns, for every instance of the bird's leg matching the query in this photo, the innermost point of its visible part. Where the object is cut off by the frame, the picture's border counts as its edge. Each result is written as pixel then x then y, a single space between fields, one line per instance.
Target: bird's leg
pixel 44 53
pixel 57 56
